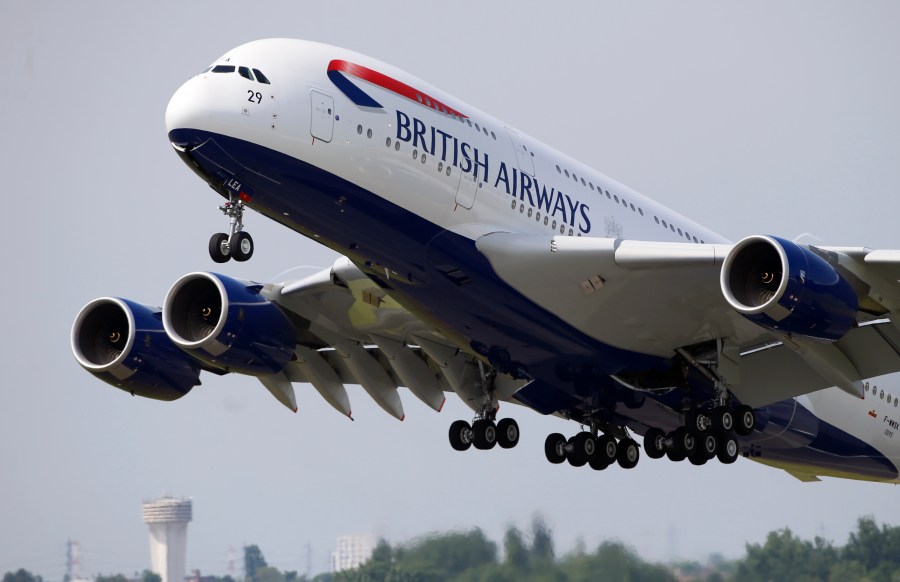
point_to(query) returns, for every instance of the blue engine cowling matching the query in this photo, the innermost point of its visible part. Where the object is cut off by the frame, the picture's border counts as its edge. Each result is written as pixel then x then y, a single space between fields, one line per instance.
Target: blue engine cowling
pixel 123 343
pixel 227 323
pixel 788 288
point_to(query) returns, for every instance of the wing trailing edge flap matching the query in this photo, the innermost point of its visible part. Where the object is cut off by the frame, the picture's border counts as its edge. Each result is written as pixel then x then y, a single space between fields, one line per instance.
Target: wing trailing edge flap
pixel 369 337
pixel 772 374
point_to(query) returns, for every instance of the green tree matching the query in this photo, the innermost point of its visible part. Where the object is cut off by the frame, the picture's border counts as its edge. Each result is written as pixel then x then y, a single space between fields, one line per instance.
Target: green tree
pixel 148 576
pixel 268 574
pixel 786 557
pixel 541 541
pixel 113 578
pixel 253 561
pixel 514 549
pixel 21 575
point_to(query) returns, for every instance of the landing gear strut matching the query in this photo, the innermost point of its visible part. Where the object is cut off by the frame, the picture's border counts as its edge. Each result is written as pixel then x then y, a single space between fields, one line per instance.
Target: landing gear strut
pixel 237 245
pixel 485 432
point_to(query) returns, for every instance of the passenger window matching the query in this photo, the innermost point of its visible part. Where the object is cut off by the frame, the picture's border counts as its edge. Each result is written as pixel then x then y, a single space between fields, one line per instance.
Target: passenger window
pixel 245 73
pixel 223 69
pixel 260 77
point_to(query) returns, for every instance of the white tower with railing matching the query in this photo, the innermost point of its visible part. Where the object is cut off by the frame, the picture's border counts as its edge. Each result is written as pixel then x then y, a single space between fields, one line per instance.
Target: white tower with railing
pixel 168 518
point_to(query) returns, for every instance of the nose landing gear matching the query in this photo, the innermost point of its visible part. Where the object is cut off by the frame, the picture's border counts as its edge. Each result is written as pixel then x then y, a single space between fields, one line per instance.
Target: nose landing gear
pixel 237 245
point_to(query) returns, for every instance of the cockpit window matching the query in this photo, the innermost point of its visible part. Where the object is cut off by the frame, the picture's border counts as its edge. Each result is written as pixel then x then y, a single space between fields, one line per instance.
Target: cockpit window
pixel 260 77
pixel 245 73
pixel 223 69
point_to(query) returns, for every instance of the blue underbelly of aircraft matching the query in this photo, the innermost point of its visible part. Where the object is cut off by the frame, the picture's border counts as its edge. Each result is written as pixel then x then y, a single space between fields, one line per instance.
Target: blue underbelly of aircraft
pixel 442 275
pixel 444 280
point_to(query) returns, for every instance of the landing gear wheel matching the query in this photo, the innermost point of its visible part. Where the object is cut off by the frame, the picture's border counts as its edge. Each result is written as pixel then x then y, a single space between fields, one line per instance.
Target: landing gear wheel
pixel 460 435
pixel 745 420
pixel 507 433
pixel 583 449
pixel 683 442
pixel 218 247
pixel 485 434
pixel 607 449
pixel 554 448
pixel 675 456
pixel 695 421
pixel 654 443
pixel 722 419
pixel 242 249
pixel 698 458
pixel 728 449
pixel 628 454
pixel 707 445
pixel 598 464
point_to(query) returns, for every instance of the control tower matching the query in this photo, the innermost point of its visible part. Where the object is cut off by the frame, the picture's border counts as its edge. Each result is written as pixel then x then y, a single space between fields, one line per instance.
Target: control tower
pixel 168 518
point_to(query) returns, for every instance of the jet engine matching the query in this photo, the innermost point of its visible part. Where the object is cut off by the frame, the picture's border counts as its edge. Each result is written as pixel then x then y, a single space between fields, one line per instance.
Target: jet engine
pixel 788 288
pixel 227 324
pixel 123 343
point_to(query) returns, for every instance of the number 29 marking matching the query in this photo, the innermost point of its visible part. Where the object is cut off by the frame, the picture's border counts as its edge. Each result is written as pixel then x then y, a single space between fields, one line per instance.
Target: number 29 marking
pixel 254 97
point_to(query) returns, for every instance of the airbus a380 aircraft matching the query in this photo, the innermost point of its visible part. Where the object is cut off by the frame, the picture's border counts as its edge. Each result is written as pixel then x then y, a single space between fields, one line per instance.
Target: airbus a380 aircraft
pixel 480 261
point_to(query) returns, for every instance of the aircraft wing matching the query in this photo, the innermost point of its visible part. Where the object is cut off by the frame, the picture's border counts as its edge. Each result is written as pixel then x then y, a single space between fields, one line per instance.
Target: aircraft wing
pixel 351 332
pixel 662 298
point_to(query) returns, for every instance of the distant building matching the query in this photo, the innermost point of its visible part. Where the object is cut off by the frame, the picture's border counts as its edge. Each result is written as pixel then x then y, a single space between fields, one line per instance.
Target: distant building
pixel 352 552
pixel 167 519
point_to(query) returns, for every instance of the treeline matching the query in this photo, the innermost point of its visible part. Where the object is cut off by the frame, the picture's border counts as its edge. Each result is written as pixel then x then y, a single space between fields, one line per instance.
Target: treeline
pixel 871 554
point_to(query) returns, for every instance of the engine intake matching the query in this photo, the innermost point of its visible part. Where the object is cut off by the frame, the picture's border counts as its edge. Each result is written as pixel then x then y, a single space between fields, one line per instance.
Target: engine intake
pixel 123 343
pixel 788 288
pixel 228 324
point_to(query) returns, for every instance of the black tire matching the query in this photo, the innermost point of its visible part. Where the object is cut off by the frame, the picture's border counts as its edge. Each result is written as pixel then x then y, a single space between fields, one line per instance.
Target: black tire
pixel 607 449
pixel 507 433
pixel 598 464
pixel 460 435
pixel 217 248
pixel 675 456
pixel 242 249
pixel 722 419
pixel 554 448
pixel 485 434
pixel 707 444
pixel 654 443
pixel 628 454
pixel 744 420
pixel 684 443
pixel 695 421
pixel 582 443
pixel 728 449
pixel 698 458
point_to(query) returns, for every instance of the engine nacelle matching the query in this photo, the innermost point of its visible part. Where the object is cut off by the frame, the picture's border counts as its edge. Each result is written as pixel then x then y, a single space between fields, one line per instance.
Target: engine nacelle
pixel 788 288
pixel 228 324
pixel 123 343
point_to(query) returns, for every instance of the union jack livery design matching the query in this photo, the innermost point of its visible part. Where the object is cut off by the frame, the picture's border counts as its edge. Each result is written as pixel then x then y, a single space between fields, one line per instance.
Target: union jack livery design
pixel 338 71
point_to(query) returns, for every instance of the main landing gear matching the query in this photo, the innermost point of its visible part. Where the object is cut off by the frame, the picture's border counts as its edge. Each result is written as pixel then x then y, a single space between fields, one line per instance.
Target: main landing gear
pixel 485 431
pixel 594 449
pixel 706 435
pixel 237 245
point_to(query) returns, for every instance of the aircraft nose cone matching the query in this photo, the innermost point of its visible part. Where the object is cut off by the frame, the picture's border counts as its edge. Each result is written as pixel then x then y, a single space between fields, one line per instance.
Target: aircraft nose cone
pixel 187 112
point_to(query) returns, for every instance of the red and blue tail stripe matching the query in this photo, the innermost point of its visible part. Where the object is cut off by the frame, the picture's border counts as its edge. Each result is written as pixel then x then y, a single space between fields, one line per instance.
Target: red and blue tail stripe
pixel 339 72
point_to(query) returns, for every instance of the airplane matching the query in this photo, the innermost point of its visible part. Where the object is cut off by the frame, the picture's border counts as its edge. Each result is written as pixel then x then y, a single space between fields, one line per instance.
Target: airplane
pixel 479 261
